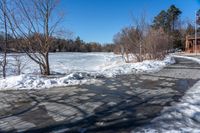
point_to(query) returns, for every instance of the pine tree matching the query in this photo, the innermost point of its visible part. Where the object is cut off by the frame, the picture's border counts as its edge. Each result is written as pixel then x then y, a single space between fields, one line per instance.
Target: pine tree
pixel 160 21
pixel 167 19
pixel 173 16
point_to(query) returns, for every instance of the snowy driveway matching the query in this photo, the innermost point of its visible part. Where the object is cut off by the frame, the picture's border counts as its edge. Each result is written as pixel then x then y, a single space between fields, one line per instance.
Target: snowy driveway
pixel 111 105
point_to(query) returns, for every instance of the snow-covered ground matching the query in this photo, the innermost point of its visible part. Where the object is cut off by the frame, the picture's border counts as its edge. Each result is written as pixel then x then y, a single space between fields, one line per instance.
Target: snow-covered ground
pixel 74 68
pixel 182 117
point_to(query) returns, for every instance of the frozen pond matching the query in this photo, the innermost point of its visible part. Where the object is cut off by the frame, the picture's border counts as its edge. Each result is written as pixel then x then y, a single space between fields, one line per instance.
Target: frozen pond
pixel 82 62
pixel 67 62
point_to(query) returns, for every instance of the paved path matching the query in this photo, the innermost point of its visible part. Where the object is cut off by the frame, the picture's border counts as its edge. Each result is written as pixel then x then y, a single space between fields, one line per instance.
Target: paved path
pixel 111 105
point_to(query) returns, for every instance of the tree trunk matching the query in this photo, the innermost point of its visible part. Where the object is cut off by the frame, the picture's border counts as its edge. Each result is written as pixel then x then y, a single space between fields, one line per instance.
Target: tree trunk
pixel 5 40
pixel 140 53
pixel 45 67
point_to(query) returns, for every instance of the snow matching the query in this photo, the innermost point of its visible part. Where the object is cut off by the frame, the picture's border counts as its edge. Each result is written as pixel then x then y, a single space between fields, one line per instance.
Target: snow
pixel 73 69
pixel 182 117
pixel 139 67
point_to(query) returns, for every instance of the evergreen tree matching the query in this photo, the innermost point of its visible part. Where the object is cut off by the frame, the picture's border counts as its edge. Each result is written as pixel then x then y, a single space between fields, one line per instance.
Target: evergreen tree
pixel 160 21
pixel 167 19
pixel 173 16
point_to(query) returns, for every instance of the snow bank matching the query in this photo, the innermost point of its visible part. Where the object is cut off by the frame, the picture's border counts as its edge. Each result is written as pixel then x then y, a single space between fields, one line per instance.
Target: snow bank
pixel 183 117
pixel 77 68
pixel 139 67
pixel 27 81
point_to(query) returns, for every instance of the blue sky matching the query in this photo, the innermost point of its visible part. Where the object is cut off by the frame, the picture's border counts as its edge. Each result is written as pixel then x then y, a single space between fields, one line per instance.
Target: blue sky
pixel 100 20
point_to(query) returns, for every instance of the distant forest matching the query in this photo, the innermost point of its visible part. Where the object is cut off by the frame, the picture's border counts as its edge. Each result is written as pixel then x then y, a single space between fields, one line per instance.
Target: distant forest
pixel 61 45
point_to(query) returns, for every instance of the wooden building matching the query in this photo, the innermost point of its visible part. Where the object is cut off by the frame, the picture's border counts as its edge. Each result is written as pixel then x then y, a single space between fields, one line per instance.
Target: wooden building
pixel 190 44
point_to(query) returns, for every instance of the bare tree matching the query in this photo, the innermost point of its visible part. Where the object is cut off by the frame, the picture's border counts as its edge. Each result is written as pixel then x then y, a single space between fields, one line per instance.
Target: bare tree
pixel 19 63
pixel 3 20
pixel 129 41
pixel 157 44
pixel 140 41
pixel 34 27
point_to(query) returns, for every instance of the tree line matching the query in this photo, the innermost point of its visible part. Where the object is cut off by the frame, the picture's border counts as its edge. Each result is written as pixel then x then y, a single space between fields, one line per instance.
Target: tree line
pixel 142 40
pixel 60 45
